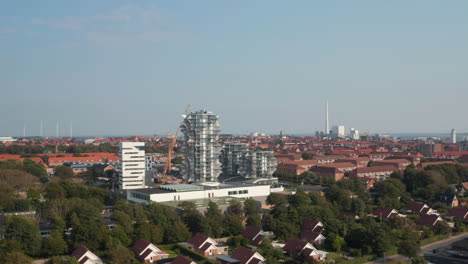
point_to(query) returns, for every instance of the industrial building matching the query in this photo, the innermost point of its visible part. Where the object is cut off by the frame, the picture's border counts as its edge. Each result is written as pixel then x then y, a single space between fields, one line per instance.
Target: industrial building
pixel 201 147
pixel 132 165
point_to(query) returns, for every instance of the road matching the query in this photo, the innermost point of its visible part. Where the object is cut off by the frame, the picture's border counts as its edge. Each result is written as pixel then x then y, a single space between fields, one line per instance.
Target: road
pixel 426 248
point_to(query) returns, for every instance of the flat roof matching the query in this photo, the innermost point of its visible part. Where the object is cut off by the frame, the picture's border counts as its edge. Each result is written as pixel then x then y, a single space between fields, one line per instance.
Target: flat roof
pixel 183 187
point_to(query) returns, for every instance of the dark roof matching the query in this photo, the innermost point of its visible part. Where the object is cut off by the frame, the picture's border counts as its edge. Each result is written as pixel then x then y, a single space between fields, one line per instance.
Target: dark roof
pixel 459 212
pixel 427 220
pixel 198 240
pixel 310 235
pixel 83 260
pixel 445 198
pixel 139 246
pixel 384 212
pixel 250 232
pixel 79 252
pixel 307 252
pixel 205 246
pixel 146 253
pixel 181 260
pixel 309 224
pixel 415 206
pixel 243 254
pixel 295 245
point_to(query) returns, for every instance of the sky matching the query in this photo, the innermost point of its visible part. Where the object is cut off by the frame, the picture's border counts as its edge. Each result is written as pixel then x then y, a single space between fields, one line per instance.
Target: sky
pixel 131 67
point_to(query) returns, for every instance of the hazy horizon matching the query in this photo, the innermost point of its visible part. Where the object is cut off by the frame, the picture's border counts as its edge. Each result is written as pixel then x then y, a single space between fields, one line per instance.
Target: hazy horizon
pixel 131 67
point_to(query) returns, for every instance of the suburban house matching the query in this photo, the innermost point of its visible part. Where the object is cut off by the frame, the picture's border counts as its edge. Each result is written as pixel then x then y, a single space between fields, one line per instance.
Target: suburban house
pixel 205 245
pixel 147 252
pixel 85 256
pixel 385 213
pixel 313 237
pixel 460 213
pixel 419 208
pixel 448 199
pixel 242 256
pixel 182 260
pixel 378 172
pixel 312 226
pixel 428 220
pixel 311 230
pixel 254 235
pixel 297 247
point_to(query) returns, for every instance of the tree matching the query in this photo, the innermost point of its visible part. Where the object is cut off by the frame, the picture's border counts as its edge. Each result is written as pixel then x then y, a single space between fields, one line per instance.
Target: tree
pixel 24 231
pixel 121 255
pixel 16 257
pixel 55 245
pixel 442 228
pixel 418 260
pixel 335 242
pixel 408 248
pixel 62 260
pixel 63 172
pixel 271 255
pixel 307 156
pixel 215 219
pixel 276 199
pixel 232 225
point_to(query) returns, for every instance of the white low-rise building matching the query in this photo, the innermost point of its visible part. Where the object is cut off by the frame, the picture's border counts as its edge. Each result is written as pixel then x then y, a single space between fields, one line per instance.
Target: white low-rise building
pixel 187 192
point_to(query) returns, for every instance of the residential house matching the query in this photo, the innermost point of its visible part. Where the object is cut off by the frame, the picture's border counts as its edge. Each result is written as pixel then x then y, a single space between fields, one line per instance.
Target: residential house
pixel 399 163
pixel 182 260
pixel 147 252
pixel 313 237
pixel 205 245
pixel 447 198
pixel 242 256
pixel 385 213
pixel 254 235
pixel 420 208
pixel 428 220
pixel 460 213
pixel 378 172
pixel 85 256
pixel 312 225
pixel 300 248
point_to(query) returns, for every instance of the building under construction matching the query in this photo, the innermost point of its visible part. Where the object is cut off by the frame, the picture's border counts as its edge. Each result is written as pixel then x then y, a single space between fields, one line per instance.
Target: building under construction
pixel 201 147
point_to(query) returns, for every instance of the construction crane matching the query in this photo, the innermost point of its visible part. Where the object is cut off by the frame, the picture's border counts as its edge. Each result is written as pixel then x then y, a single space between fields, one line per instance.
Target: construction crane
pixel 170 150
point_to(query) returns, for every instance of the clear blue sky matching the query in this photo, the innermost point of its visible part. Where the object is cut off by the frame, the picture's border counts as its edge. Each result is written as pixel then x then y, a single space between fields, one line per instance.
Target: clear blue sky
pixel 119 67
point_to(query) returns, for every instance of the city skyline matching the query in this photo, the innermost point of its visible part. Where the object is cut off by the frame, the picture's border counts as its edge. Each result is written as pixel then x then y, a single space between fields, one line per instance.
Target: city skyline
pixel 130 68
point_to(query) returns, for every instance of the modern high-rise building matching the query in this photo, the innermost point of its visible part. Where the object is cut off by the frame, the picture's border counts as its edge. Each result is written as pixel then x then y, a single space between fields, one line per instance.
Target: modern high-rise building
pixel 201 147
pixel 132 165
pixel 453 136
pixel 231 158
pixel 354 134
pixel 258 164
pixel 338 132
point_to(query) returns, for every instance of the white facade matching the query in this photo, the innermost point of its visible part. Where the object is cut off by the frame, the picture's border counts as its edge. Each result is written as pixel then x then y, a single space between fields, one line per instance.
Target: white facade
pixel 338 132
pixel 354 134
pixel 7 139
pixel 132 165
pixel 453 136
pixel 197 192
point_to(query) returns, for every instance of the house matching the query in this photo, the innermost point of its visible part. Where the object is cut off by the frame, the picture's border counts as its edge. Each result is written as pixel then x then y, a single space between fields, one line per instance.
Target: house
pixel 297 248
pixel 242 256
pixel 313 237
pixel 147 252
pixel 428 220
pixel 182 260
pixel 312 225
pixel 85 256
pixel 205 245
pixel 254 235
pixel 399 163
pixel 420 208
pixel 460 213
pixel 367 182
pixel 385 213
pixel 378 172
pixel 447 198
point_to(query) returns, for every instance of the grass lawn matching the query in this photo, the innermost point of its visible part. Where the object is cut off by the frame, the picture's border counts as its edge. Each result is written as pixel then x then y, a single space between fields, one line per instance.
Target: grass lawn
pixel 168 249
pixel 358 260
pixel 433 239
